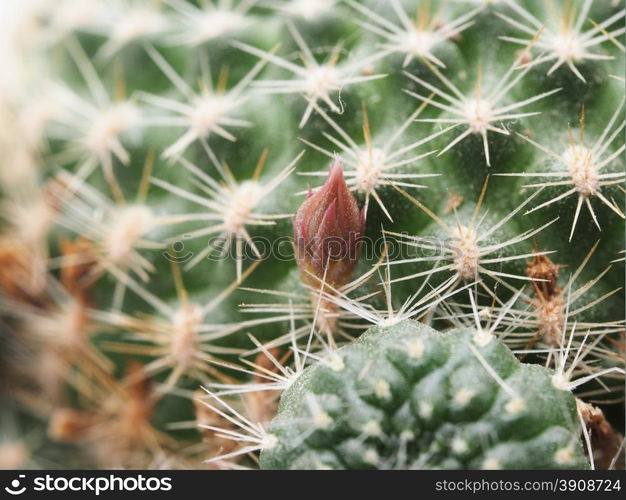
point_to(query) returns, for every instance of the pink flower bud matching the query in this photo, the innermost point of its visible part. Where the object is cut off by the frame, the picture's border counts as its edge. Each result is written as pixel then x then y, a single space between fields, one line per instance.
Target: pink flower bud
pixel 328 228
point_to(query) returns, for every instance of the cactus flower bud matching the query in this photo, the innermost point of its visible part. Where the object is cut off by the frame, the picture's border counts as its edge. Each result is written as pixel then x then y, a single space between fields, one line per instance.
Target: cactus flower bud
pixel 328 228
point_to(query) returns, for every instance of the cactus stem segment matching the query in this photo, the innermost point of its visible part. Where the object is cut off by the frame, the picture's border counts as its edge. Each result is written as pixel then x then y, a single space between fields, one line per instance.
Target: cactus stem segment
pixel 372 410
pixel 515 400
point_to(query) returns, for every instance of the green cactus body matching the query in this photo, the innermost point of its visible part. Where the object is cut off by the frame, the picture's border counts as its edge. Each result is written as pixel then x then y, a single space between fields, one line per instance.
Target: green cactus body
pixel 408 396
pixel 172 144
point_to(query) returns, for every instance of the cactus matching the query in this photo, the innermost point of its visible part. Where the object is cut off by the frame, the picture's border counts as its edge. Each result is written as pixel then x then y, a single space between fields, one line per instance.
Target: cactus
pixel 409 396
pixel 287 232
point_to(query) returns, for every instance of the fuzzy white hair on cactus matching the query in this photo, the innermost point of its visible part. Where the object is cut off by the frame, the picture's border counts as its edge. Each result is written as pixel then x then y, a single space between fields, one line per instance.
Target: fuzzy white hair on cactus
pixel 578 169
pixel 563 41
pixel 14 454
pixel 19 447
pixel 417 38
pixel 320 419
pixel 481 111
pixel 118 229
pixel 314 80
